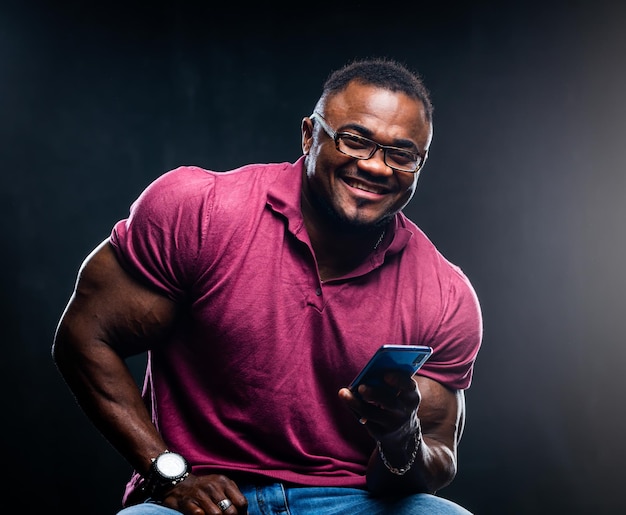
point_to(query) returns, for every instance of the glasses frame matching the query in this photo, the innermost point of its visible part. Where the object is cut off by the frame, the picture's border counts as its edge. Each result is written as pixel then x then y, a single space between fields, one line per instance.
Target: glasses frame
pixel 336 136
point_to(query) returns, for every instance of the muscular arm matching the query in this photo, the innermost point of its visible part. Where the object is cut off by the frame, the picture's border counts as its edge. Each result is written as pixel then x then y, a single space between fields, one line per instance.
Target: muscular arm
pixel 441 416
pixel 109 317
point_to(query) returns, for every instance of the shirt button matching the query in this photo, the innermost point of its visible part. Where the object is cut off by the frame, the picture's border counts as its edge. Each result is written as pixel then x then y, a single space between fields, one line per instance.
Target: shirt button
pixel 318 292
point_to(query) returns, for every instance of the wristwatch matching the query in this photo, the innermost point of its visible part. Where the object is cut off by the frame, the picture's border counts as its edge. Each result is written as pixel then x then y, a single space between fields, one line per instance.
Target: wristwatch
pixel 167 469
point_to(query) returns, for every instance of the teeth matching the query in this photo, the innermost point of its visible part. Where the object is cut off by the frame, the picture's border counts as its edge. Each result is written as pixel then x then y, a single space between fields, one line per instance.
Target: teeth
pixel 360 186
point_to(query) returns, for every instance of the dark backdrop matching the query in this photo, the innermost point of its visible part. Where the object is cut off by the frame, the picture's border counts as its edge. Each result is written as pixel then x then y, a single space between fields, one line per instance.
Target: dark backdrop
pixel 524 189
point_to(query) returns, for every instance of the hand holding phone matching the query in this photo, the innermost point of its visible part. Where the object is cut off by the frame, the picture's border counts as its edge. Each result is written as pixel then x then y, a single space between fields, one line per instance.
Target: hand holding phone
pixel 405 359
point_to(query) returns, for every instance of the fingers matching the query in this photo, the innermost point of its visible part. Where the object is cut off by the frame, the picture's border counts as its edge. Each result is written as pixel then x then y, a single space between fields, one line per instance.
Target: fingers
pixel 231 501
pixel 226 505
pixel 384 409
pixel 396 393
pixel 213 494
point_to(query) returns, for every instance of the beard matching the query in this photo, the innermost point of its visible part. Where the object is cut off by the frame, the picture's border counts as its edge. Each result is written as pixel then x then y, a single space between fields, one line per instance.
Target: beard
pixel 344 224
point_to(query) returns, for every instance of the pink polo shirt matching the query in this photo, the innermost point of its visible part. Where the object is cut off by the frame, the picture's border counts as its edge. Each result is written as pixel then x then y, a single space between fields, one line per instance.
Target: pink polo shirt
pixel 249 384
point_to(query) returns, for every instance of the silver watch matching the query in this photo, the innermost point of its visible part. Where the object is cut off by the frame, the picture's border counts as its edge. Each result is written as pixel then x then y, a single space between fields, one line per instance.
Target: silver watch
pixel 167 469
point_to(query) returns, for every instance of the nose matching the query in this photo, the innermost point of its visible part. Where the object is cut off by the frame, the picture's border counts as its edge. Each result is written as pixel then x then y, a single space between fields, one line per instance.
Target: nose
pixel 376 165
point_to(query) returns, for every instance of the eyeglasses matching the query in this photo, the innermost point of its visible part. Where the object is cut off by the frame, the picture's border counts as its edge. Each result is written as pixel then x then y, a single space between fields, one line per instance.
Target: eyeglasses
pixel 359 147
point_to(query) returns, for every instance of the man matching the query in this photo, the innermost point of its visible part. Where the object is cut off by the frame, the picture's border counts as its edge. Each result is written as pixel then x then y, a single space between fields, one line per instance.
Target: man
pixel 258 295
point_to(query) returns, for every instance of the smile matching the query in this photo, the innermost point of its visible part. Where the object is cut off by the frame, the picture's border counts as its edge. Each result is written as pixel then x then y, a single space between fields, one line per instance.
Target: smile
pixel 365 187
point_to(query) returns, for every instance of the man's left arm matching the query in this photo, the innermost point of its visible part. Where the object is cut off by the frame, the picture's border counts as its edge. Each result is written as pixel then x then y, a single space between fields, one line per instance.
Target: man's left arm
pixel 417 435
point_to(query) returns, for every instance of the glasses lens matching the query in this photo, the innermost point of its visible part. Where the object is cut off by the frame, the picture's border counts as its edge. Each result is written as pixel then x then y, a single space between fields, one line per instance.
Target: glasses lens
pixel 401 160
pixel 363 148
pixel 355 146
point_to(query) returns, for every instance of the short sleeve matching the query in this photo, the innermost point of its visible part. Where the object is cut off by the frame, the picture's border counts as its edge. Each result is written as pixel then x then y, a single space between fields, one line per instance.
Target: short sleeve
pixel 458 337
pixel 160 240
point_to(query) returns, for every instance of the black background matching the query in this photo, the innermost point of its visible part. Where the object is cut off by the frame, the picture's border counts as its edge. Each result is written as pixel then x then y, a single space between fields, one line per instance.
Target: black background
pixel 524 189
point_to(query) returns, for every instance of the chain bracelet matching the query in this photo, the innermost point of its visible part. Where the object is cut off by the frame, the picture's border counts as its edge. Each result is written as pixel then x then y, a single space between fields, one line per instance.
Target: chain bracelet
pixel 400 472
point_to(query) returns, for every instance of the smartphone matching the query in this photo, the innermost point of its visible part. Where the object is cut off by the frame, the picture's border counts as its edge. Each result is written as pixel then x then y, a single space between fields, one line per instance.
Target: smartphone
pixel 391 358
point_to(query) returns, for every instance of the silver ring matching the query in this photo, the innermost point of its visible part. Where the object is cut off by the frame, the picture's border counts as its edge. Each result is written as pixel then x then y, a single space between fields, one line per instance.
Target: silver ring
pixel 224 504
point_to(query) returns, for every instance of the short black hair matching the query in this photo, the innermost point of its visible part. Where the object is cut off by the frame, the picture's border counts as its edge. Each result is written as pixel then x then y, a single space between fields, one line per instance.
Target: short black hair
pixel 382 72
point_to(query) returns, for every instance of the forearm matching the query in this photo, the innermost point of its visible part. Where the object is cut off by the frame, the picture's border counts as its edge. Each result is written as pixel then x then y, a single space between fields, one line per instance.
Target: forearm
pixel 439 424
pixel 109 317
pixel 106 391
pixel 419 464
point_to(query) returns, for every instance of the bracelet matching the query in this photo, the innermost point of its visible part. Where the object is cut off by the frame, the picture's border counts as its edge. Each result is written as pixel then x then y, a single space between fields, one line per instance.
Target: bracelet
pixel 400 472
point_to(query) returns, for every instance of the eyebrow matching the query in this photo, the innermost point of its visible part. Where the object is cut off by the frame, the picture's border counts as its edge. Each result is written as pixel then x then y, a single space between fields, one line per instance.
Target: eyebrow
pixel 367 133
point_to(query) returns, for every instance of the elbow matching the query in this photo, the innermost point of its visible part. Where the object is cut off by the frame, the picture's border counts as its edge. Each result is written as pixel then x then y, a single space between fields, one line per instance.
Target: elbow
pixel 66 349
pixel 443 479
pixel 56 351
pixel 444 474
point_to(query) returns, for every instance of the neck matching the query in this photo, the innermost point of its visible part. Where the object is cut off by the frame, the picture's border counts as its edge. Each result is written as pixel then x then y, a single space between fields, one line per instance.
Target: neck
pixel 338 247
pixel 340 251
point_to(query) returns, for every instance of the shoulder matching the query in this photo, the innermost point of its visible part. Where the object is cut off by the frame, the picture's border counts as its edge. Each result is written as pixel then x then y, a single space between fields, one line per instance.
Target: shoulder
pixel 447 298
pixel 191 186
pixel 188 178
pixel 453 283
pixel 426 256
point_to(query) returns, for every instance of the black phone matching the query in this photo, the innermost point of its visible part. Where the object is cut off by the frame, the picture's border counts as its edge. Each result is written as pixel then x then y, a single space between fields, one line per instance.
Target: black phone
pixel 391 358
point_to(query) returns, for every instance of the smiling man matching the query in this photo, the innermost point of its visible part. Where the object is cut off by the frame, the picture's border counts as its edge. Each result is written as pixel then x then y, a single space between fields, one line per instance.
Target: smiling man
pixel 359 175
pixel 258 295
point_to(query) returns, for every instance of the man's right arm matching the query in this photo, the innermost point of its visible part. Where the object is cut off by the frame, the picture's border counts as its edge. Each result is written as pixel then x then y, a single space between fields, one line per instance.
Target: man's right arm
pixel 109 317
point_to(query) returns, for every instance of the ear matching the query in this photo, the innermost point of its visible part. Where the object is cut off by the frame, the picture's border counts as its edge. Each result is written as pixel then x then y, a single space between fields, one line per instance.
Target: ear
pixel 307 134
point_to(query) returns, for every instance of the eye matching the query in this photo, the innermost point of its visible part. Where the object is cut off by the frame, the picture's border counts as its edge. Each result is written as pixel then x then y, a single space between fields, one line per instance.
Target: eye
pixel 402 157
pixel 355 142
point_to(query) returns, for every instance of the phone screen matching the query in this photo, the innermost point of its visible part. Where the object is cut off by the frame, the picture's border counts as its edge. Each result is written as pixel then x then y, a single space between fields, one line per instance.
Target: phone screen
pixel 396 358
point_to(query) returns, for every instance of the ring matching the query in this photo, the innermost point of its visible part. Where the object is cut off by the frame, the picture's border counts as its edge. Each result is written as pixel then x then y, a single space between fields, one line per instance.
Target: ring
pixel 224 504
pixel 362 420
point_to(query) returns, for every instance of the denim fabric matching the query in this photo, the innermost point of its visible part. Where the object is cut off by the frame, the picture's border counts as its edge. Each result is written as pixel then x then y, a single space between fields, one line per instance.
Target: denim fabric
pixel 275 499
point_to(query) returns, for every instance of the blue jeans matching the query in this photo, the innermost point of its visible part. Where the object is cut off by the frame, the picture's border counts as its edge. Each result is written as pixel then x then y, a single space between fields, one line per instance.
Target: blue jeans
pixel 276 499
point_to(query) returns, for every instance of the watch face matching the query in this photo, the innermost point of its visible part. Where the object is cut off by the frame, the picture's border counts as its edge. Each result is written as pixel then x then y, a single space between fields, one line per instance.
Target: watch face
pixel 171 465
